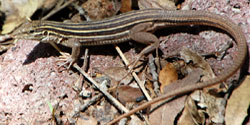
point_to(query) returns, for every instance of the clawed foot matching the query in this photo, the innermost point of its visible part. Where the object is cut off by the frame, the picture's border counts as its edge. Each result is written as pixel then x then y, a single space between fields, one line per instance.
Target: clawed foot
pixel 67 59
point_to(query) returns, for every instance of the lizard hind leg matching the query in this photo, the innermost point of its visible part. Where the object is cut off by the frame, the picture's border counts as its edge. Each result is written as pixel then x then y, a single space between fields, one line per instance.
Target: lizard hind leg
pixel 139 34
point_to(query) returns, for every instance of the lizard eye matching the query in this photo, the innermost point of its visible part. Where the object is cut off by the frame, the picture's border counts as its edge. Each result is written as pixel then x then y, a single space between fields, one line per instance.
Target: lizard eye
pixel 45 33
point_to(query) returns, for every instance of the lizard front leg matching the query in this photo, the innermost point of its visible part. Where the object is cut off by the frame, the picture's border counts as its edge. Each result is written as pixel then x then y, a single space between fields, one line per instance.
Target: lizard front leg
pixel 72 43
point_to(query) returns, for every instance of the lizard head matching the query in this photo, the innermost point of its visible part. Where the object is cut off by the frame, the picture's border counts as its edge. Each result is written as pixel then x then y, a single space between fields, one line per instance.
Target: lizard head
pixel 27 30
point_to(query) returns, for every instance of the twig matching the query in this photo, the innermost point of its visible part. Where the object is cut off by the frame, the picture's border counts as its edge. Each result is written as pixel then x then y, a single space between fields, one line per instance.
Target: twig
pixel 82 12
pixel 109 96
pixel 87 104
pixel 140 83
pixel 85 62
pixel 57 9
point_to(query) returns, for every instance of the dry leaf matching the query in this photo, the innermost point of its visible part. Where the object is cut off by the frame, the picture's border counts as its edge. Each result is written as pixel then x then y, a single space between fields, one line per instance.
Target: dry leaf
pixel 191 78
pixel 117 74
pixel 198 61
pixel 188 55
pixel 135 121
pixel 191 115
pixel 238 104
pixel 167 75
pixel 165 115
pixel 214 106
pixel 126 6
pixel 17 12
pixel 185 118
pixel 127 94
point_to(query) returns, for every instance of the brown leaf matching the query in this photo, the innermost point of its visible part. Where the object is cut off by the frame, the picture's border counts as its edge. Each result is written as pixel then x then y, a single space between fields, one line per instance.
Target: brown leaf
pixel 190 114
pixel 18 12
pixel 126 6
pixel 135 121
pixel 198 61
pixel 188 55
pixel 127 94
pixel 118 75
pixel 192 78
pixel 167 75
pixel 238 104
pixel 165 115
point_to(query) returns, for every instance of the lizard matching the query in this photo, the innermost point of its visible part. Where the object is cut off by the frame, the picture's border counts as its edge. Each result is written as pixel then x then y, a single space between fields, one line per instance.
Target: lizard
pixel 138 26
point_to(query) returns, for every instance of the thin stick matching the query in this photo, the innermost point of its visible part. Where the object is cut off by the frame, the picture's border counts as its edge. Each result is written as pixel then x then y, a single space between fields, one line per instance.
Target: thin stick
pixel 140 83
pixel 87 104
pixel 57 9
pixel 109 96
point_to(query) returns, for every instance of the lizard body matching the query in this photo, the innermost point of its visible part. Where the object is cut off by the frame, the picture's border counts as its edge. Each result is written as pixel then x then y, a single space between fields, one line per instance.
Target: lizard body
pixel 138 26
